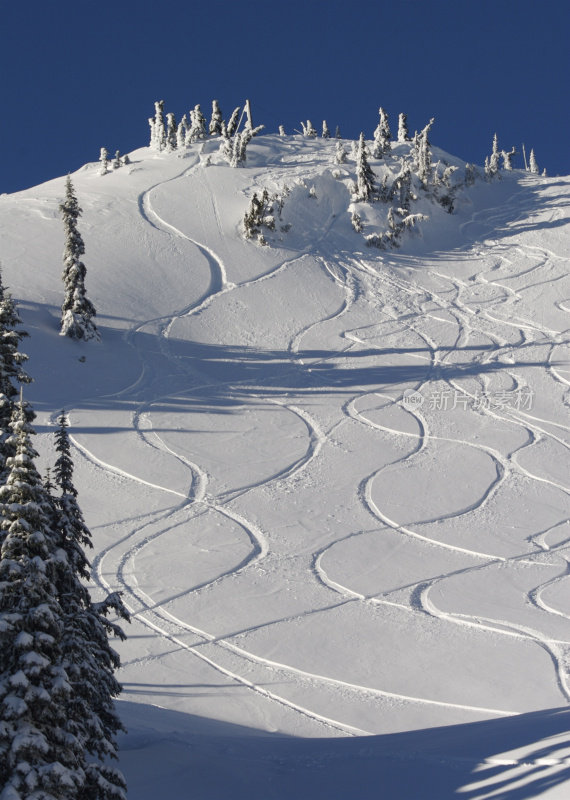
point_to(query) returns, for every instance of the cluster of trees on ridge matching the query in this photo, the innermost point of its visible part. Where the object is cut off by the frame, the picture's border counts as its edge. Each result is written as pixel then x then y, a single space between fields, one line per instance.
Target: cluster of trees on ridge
pixel 408 175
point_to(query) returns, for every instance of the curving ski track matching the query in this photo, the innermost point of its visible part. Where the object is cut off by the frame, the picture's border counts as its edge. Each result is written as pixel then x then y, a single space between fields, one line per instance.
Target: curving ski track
pixel 354 279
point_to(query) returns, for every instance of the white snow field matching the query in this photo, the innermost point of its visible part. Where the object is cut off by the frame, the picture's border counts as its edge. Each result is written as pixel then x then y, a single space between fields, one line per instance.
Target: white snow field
pixel 331 481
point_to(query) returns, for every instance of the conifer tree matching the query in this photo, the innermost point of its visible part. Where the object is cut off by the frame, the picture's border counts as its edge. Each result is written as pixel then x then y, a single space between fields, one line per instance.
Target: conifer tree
pixel 401 190
pixel 259 214
pixel 364 174
pixel 240 143
pixel 87 656
pixel 356 222
pixel 326 133
pixel 157 129
pixel 377 147
pixel 403 135
pixel 394 229
pixel 533 165
pixel 492 161
pixel 11 370
pixel 234 148
pixel 308 130
pixel 382 135
pixel 77 311
pixel 181 131
pixel 422 154
pixel 38 757
pixel 215 128
pixel 508 158
pixel 340 154
pixel 197 129
pixel 171 131
pixel 104 159
pixel 57 720
pixel 233 123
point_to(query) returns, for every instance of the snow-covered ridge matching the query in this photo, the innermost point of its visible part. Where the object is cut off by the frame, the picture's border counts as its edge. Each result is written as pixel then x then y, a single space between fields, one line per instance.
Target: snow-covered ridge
pixel 330 479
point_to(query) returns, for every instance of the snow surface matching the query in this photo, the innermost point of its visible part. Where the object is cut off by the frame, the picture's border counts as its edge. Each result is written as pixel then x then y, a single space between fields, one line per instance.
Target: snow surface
pixel 336 591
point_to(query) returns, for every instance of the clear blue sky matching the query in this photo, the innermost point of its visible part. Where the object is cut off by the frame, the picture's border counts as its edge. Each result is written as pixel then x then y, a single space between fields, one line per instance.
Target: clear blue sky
pixel 76 76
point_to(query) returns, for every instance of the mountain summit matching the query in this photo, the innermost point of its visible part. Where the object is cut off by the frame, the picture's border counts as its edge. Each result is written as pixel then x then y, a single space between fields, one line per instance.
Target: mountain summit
pixel 322 447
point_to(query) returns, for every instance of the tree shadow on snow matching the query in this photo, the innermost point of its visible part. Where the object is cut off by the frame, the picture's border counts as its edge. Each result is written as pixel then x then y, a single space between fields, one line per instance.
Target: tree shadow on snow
pixel 220 378
pixel 168 754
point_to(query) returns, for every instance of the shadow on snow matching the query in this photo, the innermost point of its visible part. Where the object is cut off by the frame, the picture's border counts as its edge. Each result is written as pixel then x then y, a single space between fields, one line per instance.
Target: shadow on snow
pixel 171 754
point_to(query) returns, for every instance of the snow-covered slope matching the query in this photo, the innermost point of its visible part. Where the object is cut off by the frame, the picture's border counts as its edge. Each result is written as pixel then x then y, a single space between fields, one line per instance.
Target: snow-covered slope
pixel 331 480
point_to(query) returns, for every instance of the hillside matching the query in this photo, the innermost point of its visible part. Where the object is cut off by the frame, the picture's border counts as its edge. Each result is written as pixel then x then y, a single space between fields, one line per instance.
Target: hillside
pixel 330 479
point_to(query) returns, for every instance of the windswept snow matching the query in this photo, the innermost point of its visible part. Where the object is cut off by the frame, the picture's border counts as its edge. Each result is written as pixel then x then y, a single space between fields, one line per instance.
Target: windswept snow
pixel 331 481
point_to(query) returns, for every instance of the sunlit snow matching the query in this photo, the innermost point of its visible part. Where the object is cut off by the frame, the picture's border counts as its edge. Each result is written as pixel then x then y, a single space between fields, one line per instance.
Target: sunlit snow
pixel 331 481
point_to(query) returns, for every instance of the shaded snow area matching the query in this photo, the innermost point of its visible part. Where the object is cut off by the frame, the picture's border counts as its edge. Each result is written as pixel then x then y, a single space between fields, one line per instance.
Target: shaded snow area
pixel 331 480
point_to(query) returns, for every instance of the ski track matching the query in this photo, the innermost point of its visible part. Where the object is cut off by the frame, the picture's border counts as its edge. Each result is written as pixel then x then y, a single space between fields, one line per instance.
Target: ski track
pixel 259 549
pixel 355 279
pixel 556 655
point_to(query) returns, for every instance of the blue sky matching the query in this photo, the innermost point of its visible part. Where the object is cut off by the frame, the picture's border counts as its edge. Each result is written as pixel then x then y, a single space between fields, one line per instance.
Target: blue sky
pixel 76 76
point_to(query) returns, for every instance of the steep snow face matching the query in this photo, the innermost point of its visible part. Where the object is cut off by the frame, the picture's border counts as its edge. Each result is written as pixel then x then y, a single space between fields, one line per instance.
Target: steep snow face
pixel 330 479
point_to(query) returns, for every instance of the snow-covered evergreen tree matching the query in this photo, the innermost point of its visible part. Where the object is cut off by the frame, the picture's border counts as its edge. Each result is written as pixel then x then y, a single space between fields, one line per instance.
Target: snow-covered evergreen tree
pixel 104 159
pixel 394 229
pixel 403 135
pixel 340 154
pixel 337 132
pixel 215 127
pixel 87 657
pixel 171 131
pixel 117 161
pixel 364 174
pixel 492 161
pixel 241 141
pixel 57 719
pixel 508 158
pixel 181 132
pixel 259 215
pixel 533 165
pixel 282 131
pixel 356 222
pixel 39 759
pixel 197 129
pixel 446 187
pixel 401 191
pixel 421 154
pixel 77 311
pixel 309 130
pixel 378 146
pixel 157 128
pixel 326 133
pixel 234 148
pixel 11 370
pixel 382 135
pixel 233 122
